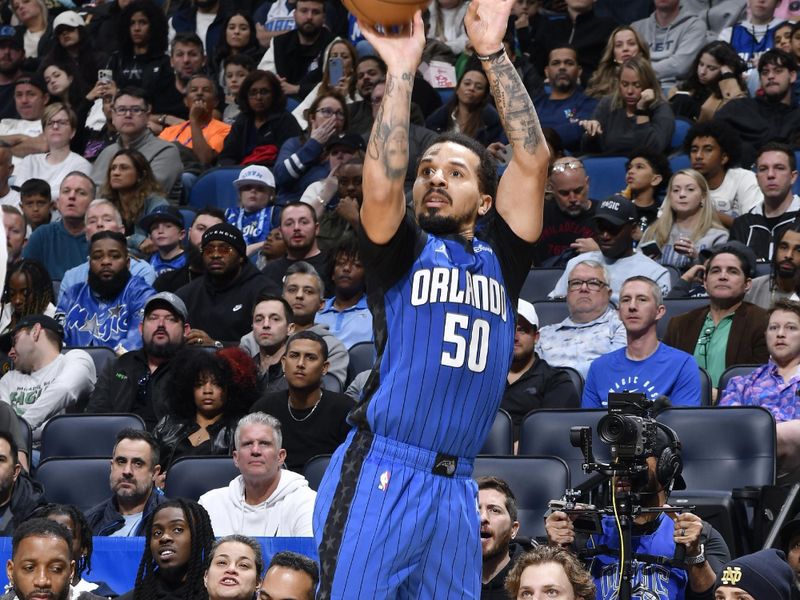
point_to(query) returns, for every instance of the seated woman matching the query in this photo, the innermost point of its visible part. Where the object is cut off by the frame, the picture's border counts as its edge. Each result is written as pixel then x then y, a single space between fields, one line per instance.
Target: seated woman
pixel 634 115
pixel 209 395
pixel 66 85
pixel 28 291
pixel 624 43
pixel 179 574
pixel 239 39
pixel 687 223
pixel 131 186
pixel 34 22
pixel 715 77
pixel 469 111
pixel 59 124
pixel 303 160
pixel 234 569
pixel 73 46
pixel 549 571
pixel 263 124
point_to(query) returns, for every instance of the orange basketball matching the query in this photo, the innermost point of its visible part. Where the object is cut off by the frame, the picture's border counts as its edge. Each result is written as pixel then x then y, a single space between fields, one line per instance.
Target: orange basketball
pixel 385 12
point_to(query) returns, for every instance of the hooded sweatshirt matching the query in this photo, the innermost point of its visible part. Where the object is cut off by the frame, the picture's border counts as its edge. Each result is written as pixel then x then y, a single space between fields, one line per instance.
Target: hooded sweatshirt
pixel 286 513
pixel 674 47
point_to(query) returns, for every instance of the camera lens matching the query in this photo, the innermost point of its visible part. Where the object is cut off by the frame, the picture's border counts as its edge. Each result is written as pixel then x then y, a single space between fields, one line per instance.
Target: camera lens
pixel 616 429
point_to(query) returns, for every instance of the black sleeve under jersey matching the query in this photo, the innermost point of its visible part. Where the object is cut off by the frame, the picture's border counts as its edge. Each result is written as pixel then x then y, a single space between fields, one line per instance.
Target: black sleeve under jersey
pixel 385 264
pixel 514 253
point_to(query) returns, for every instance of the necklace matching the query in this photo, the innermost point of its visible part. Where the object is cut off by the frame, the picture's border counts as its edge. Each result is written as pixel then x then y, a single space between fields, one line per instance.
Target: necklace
pixel 313 408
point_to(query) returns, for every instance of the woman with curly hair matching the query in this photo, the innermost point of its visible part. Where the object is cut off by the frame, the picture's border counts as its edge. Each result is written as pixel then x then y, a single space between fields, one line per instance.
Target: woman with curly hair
pixel 624 43
pixel 550 571
pixel 209 395
pixel 715 77
pixel 28 291
pixel 131 186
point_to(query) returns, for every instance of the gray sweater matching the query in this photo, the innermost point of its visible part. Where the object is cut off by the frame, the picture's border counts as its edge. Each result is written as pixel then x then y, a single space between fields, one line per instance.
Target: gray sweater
pixel 164 159
pixel 621 134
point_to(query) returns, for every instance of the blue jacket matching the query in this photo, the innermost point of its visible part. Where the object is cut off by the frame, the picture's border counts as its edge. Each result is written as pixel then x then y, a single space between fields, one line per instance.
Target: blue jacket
pixel 298 166
pixel 563 116
pixel 90 321
pixel 105 519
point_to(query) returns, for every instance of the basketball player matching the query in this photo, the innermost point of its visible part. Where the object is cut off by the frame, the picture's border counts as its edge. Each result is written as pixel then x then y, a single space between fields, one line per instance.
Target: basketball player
pixel 396 514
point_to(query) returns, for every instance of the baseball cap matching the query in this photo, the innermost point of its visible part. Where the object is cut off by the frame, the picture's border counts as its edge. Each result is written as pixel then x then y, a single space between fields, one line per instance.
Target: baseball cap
pixel 172 302
pixel 348 140
pixel 225 232
pixel 43 320
pixel 616 209
pixel 68 18
pixel 33 79
pixel 11 34
pixel 765 575
pixel 255 174
pixel 166 212
pixel 527 311
pixel 789 531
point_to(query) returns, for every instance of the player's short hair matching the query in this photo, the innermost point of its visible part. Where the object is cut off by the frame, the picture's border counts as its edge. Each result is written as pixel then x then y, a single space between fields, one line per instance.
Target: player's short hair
pixel 187 38
pixel 500 485
pixel 725 135
pixel 104 201
pixel 655 289
pixel 487 166
pixel 287 308
pixel 778 147
pixel 259 418
pixel 314 337
pixel 287 559
pixel 579 578
pixel 295 204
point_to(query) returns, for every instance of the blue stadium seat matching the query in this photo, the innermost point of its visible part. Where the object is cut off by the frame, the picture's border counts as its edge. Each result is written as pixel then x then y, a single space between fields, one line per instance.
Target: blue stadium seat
pixel 79 481
pixel 535 481
pixel 682 127
pixel 606 175
pixel 188 217
pixel 679 161
pixel 85 434
pixel 315 469
pixel 734 371
pixel 575 376
pixel 215 188
pixel 445 94
pixel 539 282
pixel 192 476
pixel 101 355
pixel 500 440
pixel 677 306
pixel 362 357
pixel 551 312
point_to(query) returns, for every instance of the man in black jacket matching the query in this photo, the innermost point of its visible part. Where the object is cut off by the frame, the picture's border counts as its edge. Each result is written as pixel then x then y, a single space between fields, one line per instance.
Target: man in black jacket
pixel 137 382
pixel 220 302
pixel 19 494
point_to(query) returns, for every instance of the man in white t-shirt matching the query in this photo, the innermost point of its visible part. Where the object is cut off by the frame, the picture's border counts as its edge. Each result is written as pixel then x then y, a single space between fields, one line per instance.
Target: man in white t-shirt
pixel 25 135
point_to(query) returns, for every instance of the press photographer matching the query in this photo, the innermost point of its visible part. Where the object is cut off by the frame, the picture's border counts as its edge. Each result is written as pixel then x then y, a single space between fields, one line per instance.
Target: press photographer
pixel 675 554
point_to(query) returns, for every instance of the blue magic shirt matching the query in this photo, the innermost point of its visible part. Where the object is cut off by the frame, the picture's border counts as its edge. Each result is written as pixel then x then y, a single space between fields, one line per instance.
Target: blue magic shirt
pixel 444 312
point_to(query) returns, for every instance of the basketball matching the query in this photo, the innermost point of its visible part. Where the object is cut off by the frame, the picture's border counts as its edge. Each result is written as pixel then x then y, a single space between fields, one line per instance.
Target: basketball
pixel 385 12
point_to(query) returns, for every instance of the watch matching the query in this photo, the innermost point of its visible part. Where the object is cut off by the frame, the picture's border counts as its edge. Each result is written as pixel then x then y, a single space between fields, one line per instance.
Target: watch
pixel 696 560
pixel 218 344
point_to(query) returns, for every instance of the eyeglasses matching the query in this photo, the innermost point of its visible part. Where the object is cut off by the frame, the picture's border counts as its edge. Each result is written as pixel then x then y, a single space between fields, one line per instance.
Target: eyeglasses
pixel 222 249
pixel 58 123
pixel 594 285
pixel 563 167
pixel 329 112
pixel 253 92
pixel 129 110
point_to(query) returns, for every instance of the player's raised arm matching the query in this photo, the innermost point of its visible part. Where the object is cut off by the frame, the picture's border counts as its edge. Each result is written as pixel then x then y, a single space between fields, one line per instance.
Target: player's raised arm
pixel 520 194
pixel 386 161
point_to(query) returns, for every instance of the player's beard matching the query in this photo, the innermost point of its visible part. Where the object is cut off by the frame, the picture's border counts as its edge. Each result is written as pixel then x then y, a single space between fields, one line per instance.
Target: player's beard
pixel 438 224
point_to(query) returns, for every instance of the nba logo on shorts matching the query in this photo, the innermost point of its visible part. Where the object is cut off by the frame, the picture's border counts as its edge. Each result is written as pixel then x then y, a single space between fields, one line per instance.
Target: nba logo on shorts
pixel 384 484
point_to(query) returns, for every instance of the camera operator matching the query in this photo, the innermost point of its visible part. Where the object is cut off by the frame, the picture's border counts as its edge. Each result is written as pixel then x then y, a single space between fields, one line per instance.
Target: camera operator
pixel 655 534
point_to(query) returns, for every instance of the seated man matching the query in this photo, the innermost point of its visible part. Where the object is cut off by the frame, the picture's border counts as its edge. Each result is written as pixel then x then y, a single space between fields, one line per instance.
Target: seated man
pixel 25 135
pixel 289 575
pixel 729 331
pixel 106 309
pixel 138 381
pixel 775 385
pixel 134 469
pixel 314 422
pixel 44 382
pixel 615 219
pixel 36 203
pixel 783 280
pixel 532 383
pixel 646 175
pixel 593 327
pixel 645 365
pixel 273 323
pixel 16 229
pixel 266 500
pixel 19 494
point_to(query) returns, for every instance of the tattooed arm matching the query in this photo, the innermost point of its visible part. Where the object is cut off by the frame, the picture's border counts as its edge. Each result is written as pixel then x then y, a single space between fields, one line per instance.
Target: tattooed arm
pixel 386 161
pixel 520 194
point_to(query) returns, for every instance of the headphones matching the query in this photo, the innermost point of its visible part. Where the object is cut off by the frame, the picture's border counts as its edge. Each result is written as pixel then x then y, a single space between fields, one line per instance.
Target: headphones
pixel 669 464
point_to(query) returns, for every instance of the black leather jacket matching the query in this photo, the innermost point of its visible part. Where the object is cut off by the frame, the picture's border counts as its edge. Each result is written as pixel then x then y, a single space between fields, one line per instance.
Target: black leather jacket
pixel 172 430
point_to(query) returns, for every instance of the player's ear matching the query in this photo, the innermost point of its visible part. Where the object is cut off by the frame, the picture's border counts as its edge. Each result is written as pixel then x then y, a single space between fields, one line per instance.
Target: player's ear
pixel 484 204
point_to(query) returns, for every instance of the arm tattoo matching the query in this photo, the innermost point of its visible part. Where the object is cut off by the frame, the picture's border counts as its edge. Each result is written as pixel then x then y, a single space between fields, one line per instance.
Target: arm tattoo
pixel 388 143
pixel 517 113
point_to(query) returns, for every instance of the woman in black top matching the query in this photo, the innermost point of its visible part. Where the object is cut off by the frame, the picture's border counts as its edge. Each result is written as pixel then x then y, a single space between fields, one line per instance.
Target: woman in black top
pixel 239 37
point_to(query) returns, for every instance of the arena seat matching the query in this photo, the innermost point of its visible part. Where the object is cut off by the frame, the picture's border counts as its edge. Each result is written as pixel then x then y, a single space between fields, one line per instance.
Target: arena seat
pixel 705 387
pixel 679 161
pixel 539 283
pixel 315 469
pixel 734 371
pixel 500 440
pixel 192 476
pixel 535 481
pixel 79 481
pixel 606 175
pixel 101 355
pixel 551 312
pixel 682 127
pixel 546 432
pixel 362 357
pixel 677 306
pixel 27 436
pixel 85 434
pixel 575 376
pixel 215 188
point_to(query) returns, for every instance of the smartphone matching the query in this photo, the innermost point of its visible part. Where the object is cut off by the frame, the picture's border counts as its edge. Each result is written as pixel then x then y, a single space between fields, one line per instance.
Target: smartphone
pixel 335 71
pixel 105 75
pixel 650 249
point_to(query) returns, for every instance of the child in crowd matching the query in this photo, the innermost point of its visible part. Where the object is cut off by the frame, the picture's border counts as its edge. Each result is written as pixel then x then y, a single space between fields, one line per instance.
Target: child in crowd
pixel 166 228
pixel 254 215
pixel 36 203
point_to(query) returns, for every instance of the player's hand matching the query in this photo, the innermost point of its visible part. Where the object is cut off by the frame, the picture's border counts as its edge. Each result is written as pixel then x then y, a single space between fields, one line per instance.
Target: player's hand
pixel 559 528
pixel 400 50
pixel 486 22
pixel 688 528
pixel 591 127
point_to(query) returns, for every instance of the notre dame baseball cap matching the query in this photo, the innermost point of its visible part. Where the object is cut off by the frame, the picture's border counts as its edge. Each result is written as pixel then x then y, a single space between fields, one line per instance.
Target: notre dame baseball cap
pixel 765 575
pixel 616 209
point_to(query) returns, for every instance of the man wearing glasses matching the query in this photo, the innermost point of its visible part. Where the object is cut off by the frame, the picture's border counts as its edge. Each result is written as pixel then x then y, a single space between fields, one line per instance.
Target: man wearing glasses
pixel 615 220
pixel 593 327
pixel 129 115
pixel 729 331
pixel 645 365
pixel 220 302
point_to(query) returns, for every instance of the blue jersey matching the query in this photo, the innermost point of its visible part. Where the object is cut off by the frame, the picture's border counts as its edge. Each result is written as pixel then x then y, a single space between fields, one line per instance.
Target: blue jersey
pixel 255 226
pixel 444 320
pixel 161 266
